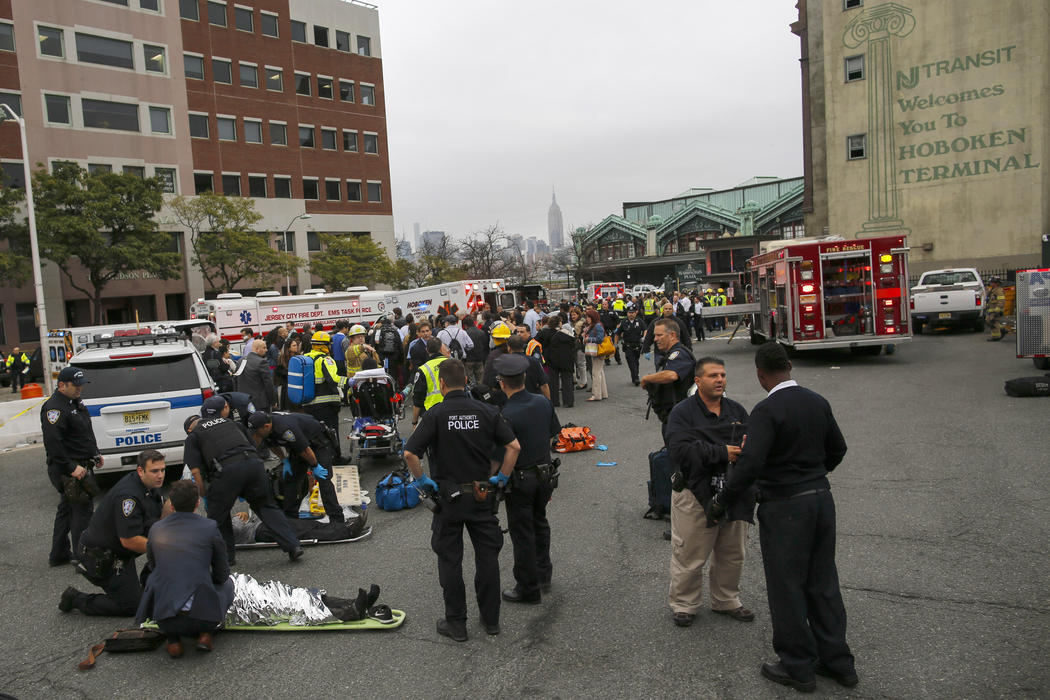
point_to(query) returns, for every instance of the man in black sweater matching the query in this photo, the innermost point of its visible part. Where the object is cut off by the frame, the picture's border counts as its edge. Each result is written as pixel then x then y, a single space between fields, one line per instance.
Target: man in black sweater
pixel 792 443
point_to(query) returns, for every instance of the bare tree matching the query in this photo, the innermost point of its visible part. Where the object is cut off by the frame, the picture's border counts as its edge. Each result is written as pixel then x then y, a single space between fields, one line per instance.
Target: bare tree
pixel 439 262
pixel 484 253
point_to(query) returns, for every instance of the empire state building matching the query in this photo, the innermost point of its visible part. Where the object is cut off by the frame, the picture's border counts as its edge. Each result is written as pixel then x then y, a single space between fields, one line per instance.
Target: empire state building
pixel 555 227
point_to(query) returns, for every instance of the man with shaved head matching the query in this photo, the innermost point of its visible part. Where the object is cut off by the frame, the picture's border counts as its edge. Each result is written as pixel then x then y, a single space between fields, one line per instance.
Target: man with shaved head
pixel 256 378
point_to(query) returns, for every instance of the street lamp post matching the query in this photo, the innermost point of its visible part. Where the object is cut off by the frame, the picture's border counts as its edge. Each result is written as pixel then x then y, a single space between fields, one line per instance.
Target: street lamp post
pixel 288 278
pixel 38 282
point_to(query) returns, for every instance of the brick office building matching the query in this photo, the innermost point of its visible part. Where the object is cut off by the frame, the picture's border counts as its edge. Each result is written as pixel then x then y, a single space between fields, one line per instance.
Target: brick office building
pixel 278 100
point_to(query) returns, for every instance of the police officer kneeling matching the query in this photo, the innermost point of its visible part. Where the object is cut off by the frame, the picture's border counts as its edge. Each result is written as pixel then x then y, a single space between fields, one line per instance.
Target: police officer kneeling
pixel 221 448
pixel 114 537
pixel 460 434
pixel 533 481
pixel 309 446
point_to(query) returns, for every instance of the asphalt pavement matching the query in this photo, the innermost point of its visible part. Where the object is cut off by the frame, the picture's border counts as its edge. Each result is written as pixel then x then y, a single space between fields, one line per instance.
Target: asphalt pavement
pixel 943 507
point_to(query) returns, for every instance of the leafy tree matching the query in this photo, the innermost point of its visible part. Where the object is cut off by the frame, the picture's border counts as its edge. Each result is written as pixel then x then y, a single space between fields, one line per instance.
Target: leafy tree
pixel 349 261
pixel 405 274
pixel 105 222
pixel 226 247
pixel 15 264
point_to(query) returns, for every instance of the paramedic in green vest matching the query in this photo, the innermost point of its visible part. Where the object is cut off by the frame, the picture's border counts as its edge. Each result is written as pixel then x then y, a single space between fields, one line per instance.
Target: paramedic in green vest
pixel 426 389
pixel 620 306
pixel 649 308
pixel 17 365
pixel 328 385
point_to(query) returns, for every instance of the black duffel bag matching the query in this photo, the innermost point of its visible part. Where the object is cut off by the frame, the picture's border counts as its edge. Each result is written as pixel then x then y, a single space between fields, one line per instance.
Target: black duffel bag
pixel 1028 386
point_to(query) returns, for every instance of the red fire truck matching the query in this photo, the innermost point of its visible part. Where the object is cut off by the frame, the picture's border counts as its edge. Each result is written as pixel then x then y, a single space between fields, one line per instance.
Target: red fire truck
pixel 833 293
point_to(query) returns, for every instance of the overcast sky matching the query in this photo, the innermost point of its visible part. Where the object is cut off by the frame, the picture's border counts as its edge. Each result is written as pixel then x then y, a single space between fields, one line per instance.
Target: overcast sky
pixel 491 103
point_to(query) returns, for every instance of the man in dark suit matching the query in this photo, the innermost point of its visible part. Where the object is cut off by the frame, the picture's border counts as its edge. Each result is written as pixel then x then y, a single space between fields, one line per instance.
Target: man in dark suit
pixel 792 443
pixel 256 378
pixel 190 588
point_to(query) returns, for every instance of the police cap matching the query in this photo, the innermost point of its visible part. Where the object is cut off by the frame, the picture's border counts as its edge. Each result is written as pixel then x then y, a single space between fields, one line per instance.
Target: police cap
pixel 73 375
pixel 213 405
pixel 259 419
pixel 188 422
pixel 510 365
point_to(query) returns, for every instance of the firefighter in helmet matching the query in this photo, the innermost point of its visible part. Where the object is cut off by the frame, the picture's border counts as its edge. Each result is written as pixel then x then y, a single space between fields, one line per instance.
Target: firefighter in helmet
pixel 328 386
pixel 994 309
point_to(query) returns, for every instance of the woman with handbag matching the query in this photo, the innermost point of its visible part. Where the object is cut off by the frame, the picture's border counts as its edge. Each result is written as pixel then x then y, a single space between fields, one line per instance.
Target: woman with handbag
pixel 596 340
pixel 577 321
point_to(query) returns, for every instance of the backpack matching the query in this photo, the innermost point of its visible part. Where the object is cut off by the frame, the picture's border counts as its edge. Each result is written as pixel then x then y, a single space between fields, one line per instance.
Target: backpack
pixel 573 438
pixel 395 492
pixel 455 350
pixel 300 379
pixel 1028 386
pixel 389 340
pixel 659 485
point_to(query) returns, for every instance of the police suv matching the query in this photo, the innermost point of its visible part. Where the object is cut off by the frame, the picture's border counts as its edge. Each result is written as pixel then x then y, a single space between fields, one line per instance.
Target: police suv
pixel 141 390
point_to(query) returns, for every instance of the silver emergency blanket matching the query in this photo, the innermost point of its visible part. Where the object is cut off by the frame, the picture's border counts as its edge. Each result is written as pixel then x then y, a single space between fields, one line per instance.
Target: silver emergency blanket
pixel 274 602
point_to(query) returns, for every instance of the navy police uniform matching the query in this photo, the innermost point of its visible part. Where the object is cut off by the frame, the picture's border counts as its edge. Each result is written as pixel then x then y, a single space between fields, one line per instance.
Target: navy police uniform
pixel 221 449
pixel 630 332
pixel 534 421
pixel 664 396
pixel 295 433
pixel 68 442
pixel 241 406
pixel 128 510
pixel 459 434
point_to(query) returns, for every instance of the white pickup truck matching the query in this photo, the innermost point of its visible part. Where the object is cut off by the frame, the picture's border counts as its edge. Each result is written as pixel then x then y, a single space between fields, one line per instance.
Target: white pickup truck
pixel 948 298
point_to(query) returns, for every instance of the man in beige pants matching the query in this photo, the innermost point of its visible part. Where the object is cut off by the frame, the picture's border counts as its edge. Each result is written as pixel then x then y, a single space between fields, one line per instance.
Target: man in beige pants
pixel 704 435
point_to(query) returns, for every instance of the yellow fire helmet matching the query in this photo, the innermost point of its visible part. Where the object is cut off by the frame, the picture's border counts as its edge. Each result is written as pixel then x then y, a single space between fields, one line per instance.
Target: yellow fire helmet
pixel 357 329
pixel 500 332
pixel 320 341
pixel 721 291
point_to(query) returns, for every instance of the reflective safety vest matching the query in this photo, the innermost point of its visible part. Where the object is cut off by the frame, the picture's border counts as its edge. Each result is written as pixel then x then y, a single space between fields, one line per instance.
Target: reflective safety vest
pixel 649 306
pixel 23 357
pixel 619 306
pixel 323 392
pixel 533 349
pixel 721 299
pixel 430 371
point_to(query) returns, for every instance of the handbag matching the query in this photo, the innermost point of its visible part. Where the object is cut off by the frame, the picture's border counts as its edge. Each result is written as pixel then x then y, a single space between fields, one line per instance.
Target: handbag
pixel 606 347
pixel 124 641
pixel 591 349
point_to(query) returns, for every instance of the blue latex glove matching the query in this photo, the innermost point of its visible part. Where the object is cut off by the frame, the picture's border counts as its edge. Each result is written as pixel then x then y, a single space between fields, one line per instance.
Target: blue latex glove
pixel 287 471
pixel 499 479
pixel 648 356
pixel 320 472
pixel 425 482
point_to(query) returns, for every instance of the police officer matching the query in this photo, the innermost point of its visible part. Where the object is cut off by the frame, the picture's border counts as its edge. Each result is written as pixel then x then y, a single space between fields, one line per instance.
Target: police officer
pixel 994 309
pixel 460 434
pixel 221 448
pixel 328 385
pixel 426 389
pixel 241 406
pixel 308 445
pixel 629 333
pixel 71 451
pixel 114 538
pixel 534 422
pixel 674 370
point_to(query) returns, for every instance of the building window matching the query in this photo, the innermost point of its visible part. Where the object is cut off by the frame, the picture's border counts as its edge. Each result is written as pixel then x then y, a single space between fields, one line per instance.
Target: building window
pixel 242 18
pixel 199 126
pixel 227 127
pixel 160 120
pixel 51 42
pixel 193 66
pixel 310 188
pixel 288 244
pixel 350 141
pixel 252 131
pixel 353 190
pixel 328 139
pixel 306 136
pixel 100 169
pixel 124 3
pixel 153 5
pixel 249 75
pixel 346 91
pixel 331 190
pixel 135 171
pixel 7 37
pixel 155 58
pixel 321 36
pixel 275 79
pixel 375 192
pixel 166 176
pixel 371 143
pixel 103 51
pixel 12 100
pixel 854 68
pixel 120 116
pixel 267 24
pixel 302 84
pixel 28 331
pixel 221 71
pixel 278 134
pixel 57 109
pixel 298 31
pixel 282 189
pixel 857 146
pixel 202 182
pixel 231 184
pixel 216 13
pixel 313 242
pixel 324 87
pixel 368 95
pixel 188 10
pixel 364 46
pixel 342 41
pixel 257 186
pixel 14 175
pixel 851 4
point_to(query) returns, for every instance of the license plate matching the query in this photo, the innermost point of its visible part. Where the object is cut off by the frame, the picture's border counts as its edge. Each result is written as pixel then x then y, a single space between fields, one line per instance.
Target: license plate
pixel 136 418
pixel 940 315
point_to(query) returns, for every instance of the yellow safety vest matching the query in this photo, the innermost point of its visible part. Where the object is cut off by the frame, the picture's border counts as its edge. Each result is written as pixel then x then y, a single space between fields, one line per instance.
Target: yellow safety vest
pixel 618 305
pixel 322 392
pixel 534 348
pixel 723 300
pixel 649 306
pixel 430 370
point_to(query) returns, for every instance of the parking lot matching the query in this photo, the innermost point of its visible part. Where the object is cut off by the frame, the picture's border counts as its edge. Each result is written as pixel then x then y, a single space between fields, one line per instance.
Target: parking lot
pixel 943 511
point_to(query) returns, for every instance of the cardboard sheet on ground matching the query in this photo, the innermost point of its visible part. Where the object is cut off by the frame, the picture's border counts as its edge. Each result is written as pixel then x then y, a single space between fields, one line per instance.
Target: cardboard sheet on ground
pixel 353 626
pixel 347 484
